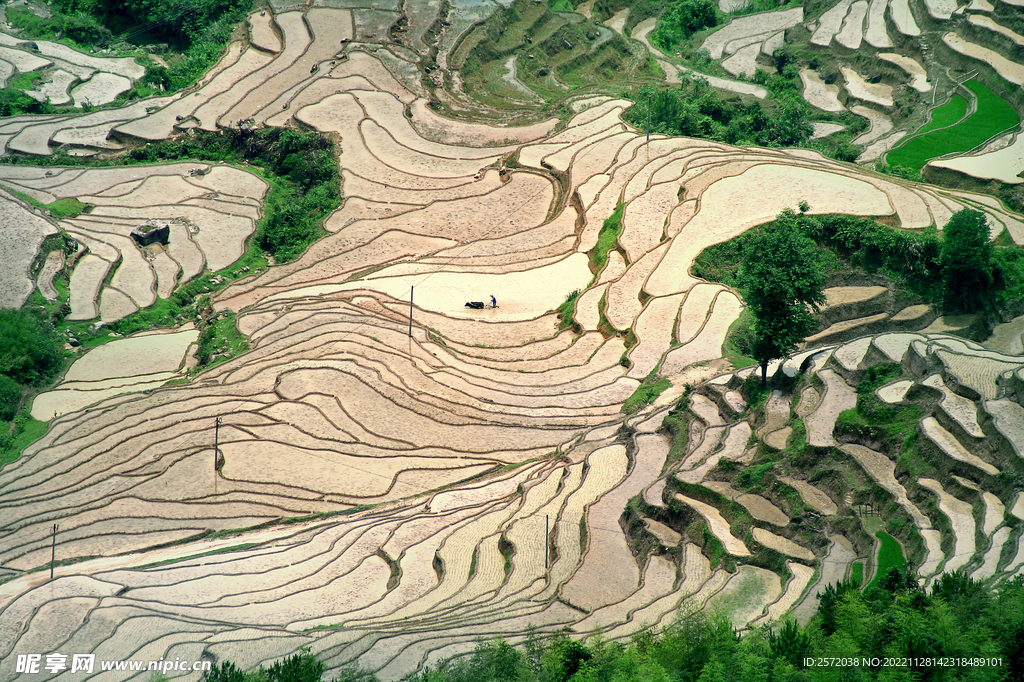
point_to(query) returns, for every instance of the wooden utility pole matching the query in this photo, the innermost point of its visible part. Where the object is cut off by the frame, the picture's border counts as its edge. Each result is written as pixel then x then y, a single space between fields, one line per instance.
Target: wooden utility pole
pixel 547 540
pixel 53 550
pixel 216 452
pixel 410 310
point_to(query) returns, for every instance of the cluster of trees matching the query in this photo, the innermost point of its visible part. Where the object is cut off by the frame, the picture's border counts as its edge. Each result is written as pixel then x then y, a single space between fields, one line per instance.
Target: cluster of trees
pixel 682 20
pixel 895 619
pixel 695 109
pixel 781 269
pixel 180 22
pixel 196 30
pixel 31 354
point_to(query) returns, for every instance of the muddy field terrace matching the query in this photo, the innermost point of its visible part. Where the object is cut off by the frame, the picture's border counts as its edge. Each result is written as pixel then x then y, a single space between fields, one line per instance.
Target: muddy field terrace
pixel 383 480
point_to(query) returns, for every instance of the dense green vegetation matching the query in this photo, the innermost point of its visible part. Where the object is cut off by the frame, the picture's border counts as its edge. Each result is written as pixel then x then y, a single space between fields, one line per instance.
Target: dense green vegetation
pixel 968 267
pixel 781 280
pixel 893 425
pixel 992 116
pixel 190 34
pixel 890 557
pixel 565 311
pixel 895 618
pixel 220 341
pixel 607 240
pixel 695 109
pixel 31 354
pixel 682 20
pixel 912 259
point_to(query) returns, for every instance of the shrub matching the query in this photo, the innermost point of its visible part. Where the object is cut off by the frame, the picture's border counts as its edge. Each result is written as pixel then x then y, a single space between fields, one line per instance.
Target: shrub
pixel 31 351
pixel 684 19
pixel 10 398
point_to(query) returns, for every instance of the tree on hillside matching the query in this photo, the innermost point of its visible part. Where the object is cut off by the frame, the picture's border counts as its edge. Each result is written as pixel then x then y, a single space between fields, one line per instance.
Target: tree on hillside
pixel 682 20
pixel 781 278
pixel 30 348
pixel 968 269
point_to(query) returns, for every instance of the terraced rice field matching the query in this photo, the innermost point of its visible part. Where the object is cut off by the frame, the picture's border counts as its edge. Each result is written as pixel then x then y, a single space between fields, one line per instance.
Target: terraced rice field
pixel 428 441
pixel 210 217
pixel 1005 165
pixel 992 116
pixel 99 79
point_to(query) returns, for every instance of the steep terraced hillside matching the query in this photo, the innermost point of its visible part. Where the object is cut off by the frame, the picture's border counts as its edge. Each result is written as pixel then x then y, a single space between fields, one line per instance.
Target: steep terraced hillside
pixel 450 472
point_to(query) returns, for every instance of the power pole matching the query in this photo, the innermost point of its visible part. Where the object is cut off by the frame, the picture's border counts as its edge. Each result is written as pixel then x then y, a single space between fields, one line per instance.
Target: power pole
pixel 53 550
pixel 648 118
pixel 216 452
pixel 410 310
pixel 547 540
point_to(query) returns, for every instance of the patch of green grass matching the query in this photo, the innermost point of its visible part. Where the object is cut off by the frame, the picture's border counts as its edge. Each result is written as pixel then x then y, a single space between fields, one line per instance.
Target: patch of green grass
pixel 713 546
pixel 60 209
pixel 220 342
pixel 890 556
pixel 507 550
pixel 607 240
pixel 894 425
pixel 721 262
pixel 25 81
pixel 878 376
pixel 21 432
pixel 857 573
pixel 645 394
pixel 751 479
pixel 993 115
pixel 679 431
pixel 948 114
pixel 565 311
pixel 66 208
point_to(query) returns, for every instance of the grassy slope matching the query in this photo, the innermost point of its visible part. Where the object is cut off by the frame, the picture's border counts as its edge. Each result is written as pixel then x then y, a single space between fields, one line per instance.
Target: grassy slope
pixel 889 556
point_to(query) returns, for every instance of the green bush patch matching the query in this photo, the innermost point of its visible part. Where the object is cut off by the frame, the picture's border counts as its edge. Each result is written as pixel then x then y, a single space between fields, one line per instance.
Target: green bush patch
pixel 857 573
pixel 565 311
pixel 645 394
pixel 607 240
pixel 220 341
pixel 17 435
pixel 60 209
pixel 890 556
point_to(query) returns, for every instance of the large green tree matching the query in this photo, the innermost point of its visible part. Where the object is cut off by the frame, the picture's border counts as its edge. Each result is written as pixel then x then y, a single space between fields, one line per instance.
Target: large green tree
pixel 782 281
pixel 30 348
pixel 968 267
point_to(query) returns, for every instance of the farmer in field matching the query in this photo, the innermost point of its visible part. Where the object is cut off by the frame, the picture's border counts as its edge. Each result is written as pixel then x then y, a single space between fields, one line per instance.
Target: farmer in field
pixel 494 301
